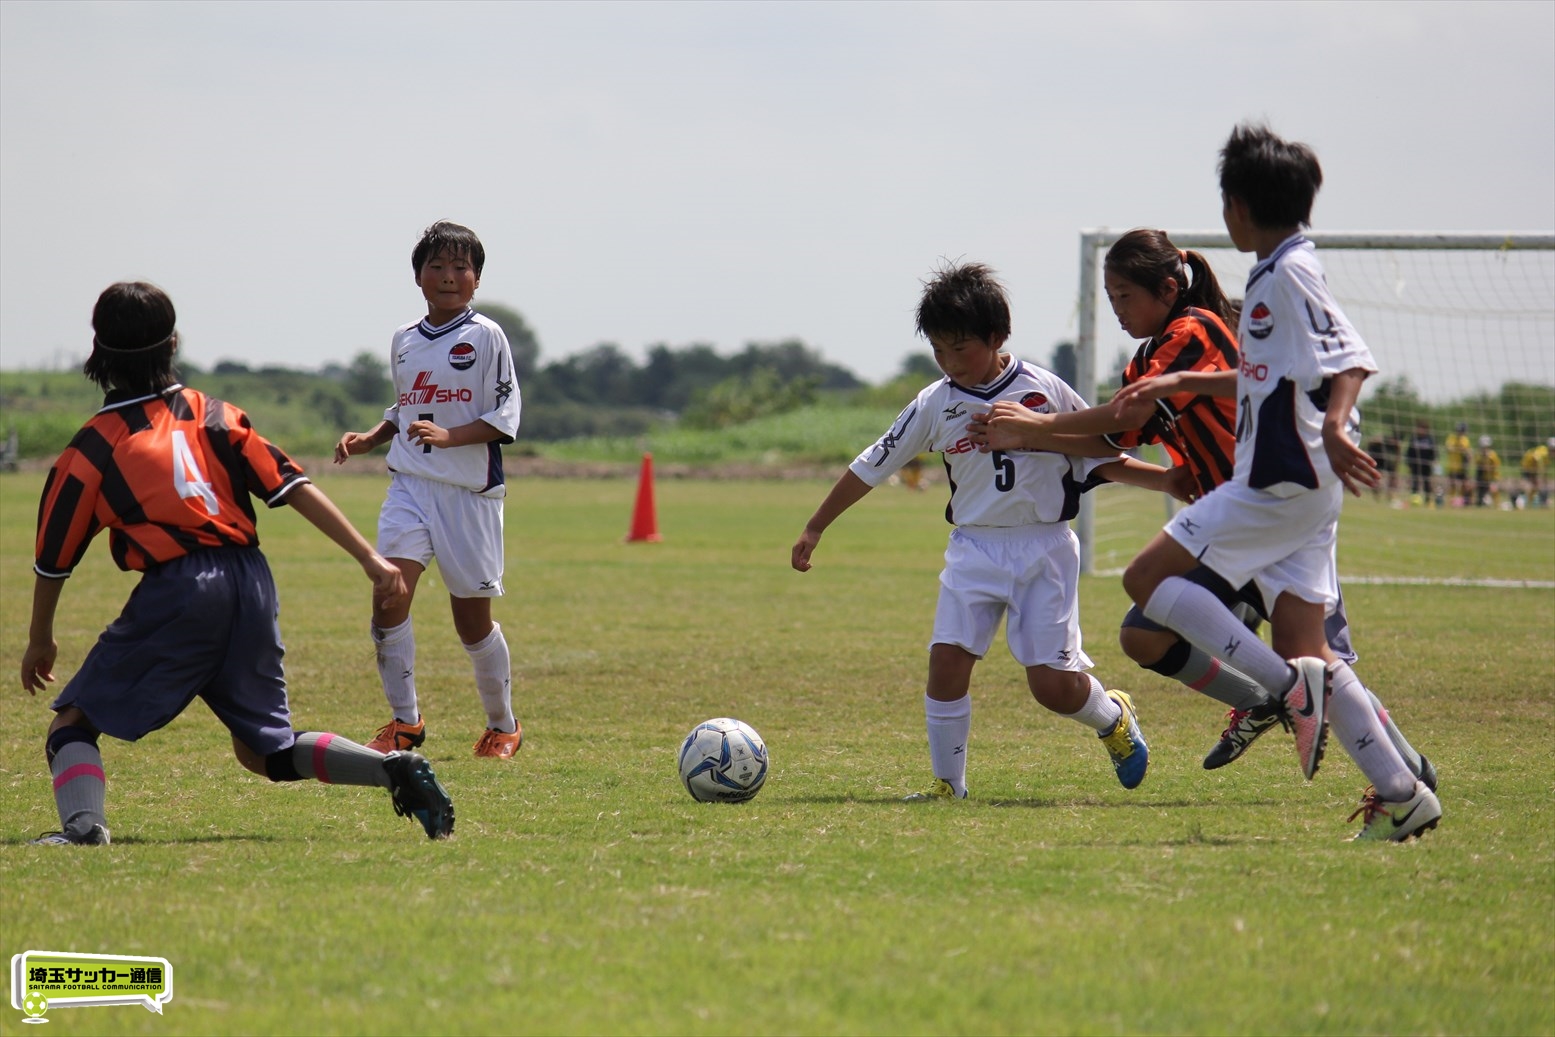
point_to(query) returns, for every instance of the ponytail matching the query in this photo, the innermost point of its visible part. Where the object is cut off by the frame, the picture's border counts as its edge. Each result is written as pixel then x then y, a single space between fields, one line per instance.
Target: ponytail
pixel 1204 291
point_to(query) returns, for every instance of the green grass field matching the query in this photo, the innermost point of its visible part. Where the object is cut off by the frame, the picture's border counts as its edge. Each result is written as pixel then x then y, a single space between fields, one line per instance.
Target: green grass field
pixel 584 892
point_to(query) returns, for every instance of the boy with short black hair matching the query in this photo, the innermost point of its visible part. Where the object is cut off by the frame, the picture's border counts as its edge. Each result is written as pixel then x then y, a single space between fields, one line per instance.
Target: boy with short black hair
pixel 168 471
pixel 1275 522
pixel 1011 553
pixel 456 404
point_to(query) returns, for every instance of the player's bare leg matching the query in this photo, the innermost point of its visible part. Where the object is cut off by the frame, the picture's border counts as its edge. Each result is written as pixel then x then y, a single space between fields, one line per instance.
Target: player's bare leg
pixel 1081 698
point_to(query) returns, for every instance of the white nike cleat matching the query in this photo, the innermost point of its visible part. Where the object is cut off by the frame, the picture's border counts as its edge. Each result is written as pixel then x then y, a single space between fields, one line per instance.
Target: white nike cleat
pixel 1397 822
pixel 1306 709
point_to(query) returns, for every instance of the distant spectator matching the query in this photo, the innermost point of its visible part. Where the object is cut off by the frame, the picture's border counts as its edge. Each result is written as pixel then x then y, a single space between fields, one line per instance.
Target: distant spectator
pixel 1536 467
pixel 1459 456
pixel 1420 457
pixel 1487 475
pixel 1387 461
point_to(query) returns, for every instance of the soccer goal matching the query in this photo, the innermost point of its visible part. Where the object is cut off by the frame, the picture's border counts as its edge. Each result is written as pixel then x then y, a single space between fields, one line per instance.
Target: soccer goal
pixel 1462 326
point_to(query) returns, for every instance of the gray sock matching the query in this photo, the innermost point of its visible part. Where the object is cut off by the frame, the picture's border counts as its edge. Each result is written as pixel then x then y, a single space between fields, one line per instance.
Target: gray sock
pixel 79 787
pixel 1407 751
pixel 1204 673
pixel 336 760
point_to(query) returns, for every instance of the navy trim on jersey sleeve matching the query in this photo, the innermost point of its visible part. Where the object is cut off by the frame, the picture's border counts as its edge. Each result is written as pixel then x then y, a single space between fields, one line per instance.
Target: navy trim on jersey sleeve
pixel 1073 489
pixel 494 474
pixel 889 441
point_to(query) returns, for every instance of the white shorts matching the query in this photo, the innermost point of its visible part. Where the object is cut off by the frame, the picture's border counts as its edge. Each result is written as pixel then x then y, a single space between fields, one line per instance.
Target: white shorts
pixel 1284 545
pixel 422 519
pixel 1031 572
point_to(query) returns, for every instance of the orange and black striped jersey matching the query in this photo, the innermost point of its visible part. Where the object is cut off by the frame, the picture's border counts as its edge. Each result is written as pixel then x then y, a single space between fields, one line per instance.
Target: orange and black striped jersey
pixel 166 474
pixel 1196 430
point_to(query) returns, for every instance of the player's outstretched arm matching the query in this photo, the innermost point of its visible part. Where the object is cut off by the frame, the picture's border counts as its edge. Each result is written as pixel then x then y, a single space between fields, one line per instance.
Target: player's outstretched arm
pixel 1008 425
pixel 353 443
pixel 847 491
pixel 42 650
pixel 1133 472
pixel 310 502
pixel 1127 401
pixel 1354 466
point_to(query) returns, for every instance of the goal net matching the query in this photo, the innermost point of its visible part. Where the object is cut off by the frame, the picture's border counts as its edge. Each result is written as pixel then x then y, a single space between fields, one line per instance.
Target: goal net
pixel 1462 327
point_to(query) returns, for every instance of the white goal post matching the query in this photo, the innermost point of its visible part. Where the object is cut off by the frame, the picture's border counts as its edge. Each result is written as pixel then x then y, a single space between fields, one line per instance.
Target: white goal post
pixel 1462 326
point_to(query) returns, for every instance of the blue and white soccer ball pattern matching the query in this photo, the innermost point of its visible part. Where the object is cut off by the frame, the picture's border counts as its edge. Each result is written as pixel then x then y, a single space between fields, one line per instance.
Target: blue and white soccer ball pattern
pixel 723 761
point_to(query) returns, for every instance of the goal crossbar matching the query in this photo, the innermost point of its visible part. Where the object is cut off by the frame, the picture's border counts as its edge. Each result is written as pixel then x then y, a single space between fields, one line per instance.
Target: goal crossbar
pixel 1094 243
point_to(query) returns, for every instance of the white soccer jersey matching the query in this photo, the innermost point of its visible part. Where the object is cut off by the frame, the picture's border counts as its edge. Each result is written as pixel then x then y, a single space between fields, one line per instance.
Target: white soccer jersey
pixel 1294 339
pixel 451 376
pixel 1000 488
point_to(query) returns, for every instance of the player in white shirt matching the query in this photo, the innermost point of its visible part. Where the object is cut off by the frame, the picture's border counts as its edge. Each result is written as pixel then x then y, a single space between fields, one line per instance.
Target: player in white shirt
pixel 456 403
pixel 1011 552
pixel 1276 521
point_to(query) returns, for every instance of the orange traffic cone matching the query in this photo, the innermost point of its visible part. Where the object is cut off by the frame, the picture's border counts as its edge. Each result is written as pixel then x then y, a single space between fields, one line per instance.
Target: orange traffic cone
pixel 645 520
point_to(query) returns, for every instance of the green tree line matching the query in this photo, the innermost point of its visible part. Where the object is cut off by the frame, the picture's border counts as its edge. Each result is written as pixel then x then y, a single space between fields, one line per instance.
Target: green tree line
pixel 605 393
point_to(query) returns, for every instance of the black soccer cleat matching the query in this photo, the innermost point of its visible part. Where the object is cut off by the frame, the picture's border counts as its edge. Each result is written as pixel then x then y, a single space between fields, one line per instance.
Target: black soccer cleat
pixel 416 792
pixel 1243 727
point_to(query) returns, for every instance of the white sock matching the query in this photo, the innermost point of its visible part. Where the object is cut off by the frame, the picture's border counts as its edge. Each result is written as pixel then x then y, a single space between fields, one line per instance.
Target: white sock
pixel 1100 712
pixel 494 679
pixel 1410 754
pixel 396 648
pixel 1359 729
pixel 949 724
pixel 1196 614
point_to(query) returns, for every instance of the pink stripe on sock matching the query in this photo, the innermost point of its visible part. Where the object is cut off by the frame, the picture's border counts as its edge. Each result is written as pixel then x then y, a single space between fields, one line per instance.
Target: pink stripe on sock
pixel 1209 675
pixel 80 770
pixel 319 770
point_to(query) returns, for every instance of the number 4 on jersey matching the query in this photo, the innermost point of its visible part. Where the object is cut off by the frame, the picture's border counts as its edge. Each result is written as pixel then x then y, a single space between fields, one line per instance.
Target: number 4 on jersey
pixel 188 480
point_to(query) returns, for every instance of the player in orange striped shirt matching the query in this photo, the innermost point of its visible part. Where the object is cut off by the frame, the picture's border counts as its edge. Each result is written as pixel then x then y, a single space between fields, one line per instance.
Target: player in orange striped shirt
pixel 169 471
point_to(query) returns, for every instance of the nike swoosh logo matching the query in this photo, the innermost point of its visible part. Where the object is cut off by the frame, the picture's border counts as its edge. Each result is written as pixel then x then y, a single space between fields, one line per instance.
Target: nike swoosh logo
pixel 1307 709
pixel 1400 822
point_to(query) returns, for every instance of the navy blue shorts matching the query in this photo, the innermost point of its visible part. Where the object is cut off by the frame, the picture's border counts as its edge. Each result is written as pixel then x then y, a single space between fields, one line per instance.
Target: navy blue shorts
pixel 207 625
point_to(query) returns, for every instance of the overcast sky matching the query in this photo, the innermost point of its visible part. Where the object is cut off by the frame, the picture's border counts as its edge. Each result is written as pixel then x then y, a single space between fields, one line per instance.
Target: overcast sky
pixel 712 172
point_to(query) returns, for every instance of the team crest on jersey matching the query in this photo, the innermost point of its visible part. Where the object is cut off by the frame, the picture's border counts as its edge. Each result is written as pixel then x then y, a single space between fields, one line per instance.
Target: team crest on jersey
pixel 462 356
pixel 1033 400
pixel 1260 323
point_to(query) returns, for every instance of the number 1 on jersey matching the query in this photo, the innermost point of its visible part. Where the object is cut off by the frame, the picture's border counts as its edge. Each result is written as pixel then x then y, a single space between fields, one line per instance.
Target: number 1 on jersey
pixel 188 480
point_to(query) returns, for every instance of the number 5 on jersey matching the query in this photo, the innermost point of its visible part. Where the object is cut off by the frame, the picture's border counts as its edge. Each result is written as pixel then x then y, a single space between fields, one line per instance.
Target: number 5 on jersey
pixel 1004 472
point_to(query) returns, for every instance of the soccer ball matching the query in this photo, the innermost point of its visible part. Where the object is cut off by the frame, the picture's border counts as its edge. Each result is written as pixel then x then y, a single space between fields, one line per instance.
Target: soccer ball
pixel 35 1004
pixel 723 761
